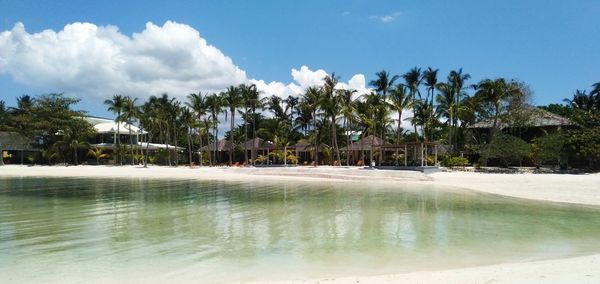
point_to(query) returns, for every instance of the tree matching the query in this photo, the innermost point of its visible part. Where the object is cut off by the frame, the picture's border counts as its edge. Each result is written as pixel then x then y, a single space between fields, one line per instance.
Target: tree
pixel 330 105
pixel 413 79
pixel 198 103
pixel 548 148
pixel 507 148
pixel 495 95
pixel 215 103
pixel 232 99
pixel 130 113
pixel 187 120
pixel 97 153
pixel 116 105
pixel 456 81
pixel 399 101
pixel 311 99
pixel 347 109
pixel 384 82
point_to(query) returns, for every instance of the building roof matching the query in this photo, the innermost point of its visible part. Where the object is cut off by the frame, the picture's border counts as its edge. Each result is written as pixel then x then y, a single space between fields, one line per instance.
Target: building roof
pixel 13 141
pixel 364 143
pixel 222 145
pixel 105 125
pixel 537 118
pixel 259 144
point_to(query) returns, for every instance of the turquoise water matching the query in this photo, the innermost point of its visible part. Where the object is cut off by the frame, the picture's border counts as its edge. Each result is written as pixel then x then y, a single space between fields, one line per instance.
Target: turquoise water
pixel 142 230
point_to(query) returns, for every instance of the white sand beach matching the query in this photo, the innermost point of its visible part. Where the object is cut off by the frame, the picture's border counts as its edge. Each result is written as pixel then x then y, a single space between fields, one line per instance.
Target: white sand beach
pixel 579 189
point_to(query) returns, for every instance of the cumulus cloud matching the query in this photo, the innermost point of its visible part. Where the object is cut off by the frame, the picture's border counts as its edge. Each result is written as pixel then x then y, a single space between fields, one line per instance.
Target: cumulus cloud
pixel 304 78
pixel 386 18
pixel 85 59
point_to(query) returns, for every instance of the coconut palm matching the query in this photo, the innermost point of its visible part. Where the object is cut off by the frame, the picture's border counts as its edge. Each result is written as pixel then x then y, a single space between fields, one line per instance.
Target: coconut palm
pixel 311 99
pixel 496 93
pixel 399 101
pixel 413 80
pixel 581 100
pixel 232 99
pixel 197 102
pixel 457 80
pixel 187 120
pixel 329 103
pixel 347 109
pixel 116 105
pixel 215 103
pixel 384 82
pixel 253 102
pixel 130 113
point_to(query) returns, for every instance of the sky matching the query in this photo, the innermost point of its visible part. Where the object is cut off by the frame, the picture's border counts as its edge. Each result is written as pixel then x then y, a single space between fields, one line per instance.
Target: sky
pixel 95 49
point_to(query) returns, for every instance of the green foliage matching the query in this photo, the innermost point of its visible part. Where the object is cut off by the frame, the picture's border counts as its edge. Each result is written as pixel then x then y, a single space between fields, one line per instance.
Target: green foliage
pixel 585 144
pixel 455 161
pixel 508 149
pixel 547 148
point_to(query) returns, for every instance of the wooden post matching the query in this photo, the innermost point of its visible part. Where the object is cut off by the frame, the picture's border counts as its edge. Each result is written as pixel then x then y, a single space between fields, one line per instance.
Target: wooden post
pixel 405 155
pixel 435 150
pixel 421 154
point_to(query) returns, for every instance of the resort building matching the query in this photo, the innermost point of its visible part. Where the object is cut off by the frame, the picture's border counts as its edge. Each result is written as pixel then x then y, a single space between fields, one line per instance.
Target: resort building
pixel 108 133
pixel 16 148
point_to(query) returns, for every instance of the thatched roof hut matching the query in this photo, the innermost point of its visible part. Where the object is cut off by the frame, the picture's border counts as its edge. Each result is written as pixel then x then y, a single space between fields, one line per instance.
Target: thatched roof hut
pixel 532 117
pixel 259 144
pixel 13 141
pixel 364 143
pixel 222 145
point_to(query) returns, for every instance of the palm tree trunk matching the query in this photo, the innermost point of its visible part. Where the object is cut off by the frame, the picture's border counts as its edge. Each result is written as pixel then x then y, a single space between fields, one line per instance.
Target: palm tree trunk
pixel 231 138
pixel 316 139
pixel 335 145
pixel 131 144
pixel 189 141
pixel 200 140
pixel 175 130
pixel 147 150
pixel 167 142
pixel 245 136
pixel 399 126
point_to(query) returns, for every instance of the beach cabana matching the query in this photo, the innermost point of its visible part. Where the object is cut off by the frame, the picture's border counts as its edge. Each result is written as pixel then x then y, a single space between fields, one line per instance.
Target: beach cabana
pixel 360 149
pixel 221 147
pixel 258 145
pixel 14 147
pixel 413 154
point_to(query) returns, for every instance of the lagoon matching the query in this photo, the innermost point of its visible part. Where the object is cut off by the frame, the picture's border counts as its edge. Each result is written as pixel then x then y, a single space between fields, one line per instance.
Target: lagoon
pixel 156 230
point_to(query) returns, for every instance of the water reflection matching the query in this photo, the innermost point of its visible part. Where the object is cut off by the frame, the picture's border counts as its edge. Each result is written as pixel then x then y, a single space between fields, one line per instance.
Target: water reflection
pixel 190 229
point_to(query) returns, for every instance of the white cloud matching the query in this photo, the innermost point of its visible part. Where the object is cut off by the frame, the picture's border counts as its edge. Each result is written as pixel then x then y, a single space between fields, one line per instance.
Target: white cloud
pixel 91 61
pixel 304 78
pixel 386 18
pixel 85 59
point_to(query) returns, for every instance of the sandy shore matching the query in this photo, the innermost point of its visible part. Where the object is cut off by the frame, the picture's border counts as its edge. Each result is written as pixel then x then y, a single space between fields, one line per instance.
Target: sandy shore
pixel 581 189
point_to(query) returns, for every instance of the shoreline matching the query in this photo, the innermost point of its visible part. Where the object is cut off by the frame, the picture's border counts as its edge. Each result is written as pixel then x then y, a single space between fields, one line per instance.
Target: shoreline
pixel 583 189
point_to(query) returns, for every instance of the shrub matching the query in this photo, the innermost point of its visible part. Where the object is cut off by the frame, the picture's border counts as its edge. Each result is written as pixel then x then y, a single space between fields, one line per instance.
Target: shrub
pixel 506 148
pixel 454 161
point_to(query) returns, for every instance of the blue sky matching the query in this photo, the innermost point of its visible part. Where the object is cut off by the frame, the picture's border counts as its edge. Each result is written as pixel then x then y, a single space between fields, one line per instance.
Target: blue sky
pixel 554 46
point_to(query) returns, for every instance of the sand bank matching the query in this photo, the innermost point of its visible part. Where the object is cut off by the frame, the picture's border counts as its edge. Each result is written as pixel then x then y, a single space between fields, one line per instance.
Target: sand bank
pixel 582 189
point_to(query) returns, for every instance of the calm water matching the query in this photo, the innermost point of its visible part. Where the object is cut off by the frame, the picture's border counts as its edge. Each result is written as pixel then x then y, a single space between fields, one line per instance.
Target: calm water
pixel 93 230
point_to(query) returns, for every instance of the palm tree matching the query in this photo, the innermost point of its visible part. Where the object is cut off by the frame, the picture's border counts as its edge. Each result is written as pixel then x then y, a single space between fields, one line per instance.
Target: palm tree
pixel 312 97
pixel 496 93
pixel 330 105
pixel 232 99
pixel 116 105
pixel 430 78
pixel 97 153
pixel 215 104
pixel 384 82
pixel 253 102
pixel 187 121
pixel 457 80
pixel 445 106
pixel 413 79
pixel 581 100
pixel 198 103
pixel 347 109
pixel 130 112
pixel 596 93
pixel 399 101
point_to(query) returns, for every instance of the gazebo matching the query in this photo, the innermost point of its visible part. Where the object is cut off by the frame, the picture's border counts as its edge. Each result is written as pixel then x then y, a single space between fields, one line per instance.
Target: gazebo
pixel 414 153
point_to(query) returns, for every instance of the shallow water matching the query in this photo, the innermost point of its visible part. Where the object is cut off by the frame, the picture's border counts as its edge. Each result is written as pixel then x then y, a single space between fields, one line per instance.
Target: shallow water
pixel 144 230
